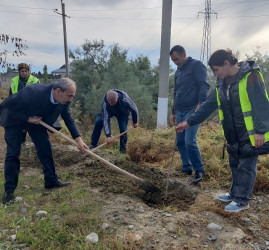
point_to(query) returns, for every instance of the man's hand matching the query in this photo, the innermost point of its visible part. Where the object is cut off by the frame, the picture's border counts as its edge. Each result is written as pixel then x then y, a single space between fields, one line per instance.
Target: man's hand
pixel 259 140
pixel 81 145
pixel 109 139
pixel 182 126
pixel 173 119
pixel 135 125
pixel 34 119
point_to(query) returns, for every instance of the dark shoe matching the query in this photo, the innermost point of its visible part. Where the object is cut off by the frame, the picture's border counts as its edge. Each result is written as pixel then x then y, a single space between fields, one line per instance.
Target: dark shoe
pixel 198 177
pixel 91 146
pixel 8 198
pixel 188 172
pixel 57 184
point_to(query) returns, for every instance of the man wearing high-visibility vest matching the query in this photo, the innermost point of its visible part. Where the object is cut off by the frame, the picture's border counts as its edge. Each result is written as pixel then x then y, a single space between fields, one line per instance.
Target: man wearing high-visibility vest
pixel 19 82
pixel 243 104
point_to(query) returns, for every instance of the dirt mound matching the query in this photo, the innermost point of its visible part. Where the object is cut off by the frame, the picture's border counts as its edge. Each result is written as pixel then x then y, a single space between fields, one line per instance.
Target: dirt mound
pixel 107 180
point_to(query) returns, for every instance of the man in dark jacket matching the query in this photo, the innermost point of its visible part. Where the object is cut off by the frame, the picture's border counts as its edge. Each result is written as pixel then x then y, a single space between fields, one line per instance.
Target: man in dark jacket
pixel 115 103
pixel 243 104
pixel 189 92
pixel 24 111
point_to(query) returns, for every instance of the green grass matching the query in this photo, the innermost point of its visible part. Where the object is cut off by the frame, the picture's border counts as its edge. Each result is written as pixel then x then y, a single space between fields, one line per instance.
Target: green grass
pixel 73 213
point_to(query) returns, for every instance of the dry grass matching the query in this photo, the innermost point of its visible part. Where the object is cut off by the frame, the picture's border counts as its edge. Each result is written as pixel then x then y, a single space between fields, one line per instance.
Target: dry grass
pixel 154 148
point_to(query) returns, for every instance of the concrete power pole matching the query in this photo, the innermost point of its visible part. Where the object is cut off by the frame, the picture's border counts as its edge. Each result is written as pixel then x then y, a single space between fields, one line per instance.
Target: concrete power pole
pixel 65 40
pixel 164 64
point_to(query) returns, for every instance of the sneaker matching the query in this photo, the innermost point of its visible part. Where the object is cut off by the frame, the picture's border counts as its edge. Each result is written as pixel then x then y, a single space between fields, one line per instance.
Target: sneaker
pixel 8 198
pixel 185 172
pixel 235 207
pixel 198 177
pixel 225 197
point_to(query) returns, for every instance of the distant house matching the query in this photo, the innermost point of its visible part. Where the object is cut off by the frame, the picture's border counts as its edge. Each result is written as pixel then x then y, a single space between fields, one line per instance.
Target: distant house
pixel 61 72
pixel 5 78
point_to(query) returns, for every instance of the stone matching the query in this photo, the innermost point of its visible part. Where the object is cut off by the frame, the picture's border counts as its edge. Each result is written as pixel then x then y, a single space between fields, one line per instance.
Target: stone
pixel 12 238
pixel 212 238
pixel 214 227
pixel 135 237
pixel 18 199
pixel 105 226
pixel 41 213
pixel 245 220
pixel 141 210
pixel 167 215
pixel 23 210
pixel 92 238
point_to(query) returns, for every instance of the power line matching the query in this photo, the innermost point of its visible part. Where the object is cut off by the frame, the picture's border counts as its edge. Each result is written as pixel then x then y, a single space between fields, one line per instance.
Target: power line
pixel 23 7
pixel 19 12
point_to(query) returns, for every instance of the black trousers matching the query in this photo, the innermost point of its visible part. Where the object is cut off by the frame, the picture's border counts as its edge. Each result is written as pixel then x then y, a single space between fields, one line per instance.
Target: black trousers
pixel 40 138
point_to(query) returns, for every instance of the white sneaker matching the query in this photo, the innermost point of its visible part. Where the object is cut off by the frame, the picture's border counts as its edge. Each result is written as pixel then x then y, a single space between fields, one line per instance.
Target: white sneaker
pixel 224 197
pixel 236 207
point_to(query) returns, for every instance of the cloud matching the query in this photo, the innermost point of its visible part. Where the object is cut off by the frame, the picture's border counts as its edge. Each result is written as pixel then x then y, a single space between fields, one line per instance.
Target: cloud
pixel 134 25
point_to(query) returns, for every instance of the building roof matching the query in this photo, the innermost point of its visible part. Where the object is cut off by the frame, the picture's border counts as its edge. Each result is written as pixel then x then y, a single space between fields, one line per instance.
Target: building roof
pixel 62 69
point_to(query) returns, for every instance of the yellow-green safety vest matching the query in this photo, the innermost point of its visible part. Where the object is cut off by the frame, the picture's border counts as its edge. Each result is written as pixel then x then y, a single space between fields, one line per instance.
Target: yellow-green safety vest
pixel 246 108
pixel 15 83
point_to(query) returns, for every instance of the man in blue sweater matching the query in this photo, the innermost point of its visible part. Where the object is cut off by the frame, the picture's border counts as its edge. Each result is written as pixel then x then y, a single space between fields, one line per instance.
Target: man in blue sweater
pixel 189 92
pixel 115 103
pixel 23 111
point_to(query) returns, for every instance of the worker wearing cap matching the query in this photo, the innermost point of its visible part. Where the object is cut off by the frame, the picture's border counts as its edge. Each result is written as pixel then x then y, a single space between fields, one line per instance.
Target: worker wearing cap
pixel 23 79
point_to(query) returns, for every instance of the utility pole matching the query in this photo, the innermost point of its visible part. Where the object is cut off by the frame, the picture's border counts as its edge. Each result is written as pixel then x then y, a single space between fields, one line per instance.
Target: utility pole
pixel 65 37
pixel 206 39
pixel 164 64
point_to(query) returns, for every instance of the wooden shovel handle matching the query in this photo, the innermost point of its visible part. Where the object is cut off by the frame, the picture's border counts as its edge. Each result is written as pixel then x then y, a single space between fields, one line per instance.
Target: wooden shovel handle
pixel 89 152
pixel 113 138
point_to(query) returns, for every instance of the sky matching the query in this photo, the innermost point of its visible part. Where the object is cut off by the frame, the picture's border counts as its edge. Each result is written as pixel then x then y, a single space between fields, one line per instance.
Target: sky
pixel 240 25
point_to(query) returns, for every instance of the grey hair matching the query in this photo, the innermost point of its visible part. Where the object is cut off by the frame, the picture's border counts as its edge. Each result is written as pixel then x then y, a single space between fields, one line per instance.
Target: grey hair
pixel 64 83
pixel 111 96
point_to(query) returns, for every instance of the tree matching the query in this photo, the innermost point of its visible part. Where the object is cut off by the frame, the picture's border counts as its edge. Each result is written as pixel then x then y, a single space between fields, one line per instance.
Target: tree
pixel 19 45
pixel 263 62
pixel 45 74
pixel 98 68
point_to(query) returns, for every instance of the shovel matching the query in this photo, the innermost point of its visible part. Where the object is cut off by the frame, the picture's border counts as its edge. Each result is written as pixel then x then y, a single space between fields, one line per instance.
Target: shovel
pixel 146 186
pixel 105 143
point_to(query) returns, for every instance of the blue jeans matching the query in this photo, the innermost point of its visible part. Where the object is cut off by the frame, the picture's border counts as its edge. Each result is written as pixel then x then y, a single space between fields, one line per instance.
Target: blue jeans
pixel 243 177
pixel 98 126
pixel 187 145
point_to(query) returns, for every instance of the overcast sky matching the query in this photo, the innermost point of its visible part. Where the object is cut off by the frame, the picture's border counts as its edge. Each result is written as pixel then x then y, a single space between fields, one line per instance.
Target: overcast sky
pixel 133 24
